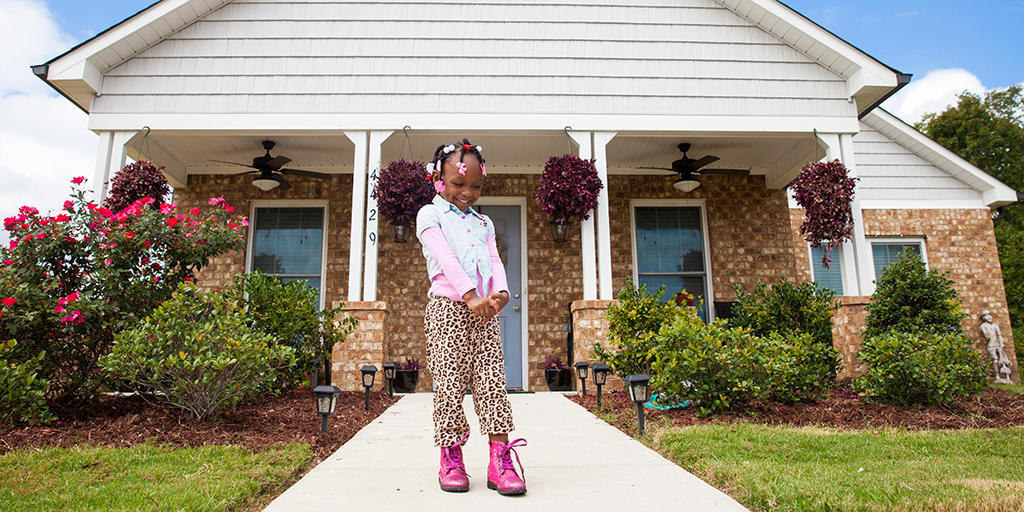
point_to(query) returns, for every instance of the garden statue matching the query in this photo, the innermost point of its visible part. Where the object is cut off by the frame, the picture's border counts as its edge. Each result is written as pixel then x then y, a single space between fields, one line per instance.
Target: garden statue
pixel 1000 362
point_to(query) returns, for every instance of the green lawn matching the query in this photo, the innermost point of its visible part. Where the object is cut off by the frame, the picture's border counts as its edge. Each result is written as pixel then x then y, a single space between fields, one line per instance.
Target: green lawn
pixel 783 468
pixel 148 477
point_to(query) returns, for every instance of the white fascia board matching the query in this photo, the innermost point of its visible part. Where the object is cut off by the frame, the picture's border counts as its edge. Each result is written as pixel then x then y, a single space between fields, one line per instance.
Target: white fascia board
pixel 994 192
pixel 77 64
pixel 865 74
pixel 462 121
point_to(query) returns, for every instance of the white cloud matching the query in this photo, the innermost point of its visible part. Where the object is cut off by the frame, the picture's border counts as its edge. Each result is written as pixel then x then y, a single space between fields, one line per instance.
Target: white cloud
pixel 933 93
pixel 43 137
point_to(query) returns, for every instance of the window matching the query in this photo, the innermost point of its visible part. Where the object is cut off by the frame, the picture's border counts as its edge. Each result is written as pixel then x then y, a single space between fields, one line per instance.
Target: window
pixel 830 278
pixel 885 252
pixel 289 243
pixel 671 251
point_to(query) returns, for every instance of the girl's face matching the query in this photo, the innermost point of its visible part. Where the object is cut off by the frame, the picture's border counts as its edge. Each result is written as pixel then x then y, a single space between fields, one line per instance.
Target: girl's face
pixel 462 190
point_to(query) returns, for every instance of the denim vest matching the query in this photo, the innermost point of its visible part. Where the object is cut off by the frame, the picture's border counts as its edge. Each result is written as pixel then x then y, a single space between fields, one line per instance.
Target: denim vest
pixel 466 233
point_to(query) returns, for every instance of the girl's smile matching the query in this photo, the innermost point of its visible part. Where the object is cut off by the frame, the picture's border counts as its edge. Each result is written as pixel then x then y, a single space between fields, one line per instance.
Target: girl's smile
pixel 462 190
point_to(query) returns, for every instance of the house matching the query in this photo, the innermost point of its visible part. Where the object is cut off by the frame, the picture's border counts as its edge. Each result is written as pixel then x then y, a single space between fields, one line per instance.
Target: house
pixel 342 87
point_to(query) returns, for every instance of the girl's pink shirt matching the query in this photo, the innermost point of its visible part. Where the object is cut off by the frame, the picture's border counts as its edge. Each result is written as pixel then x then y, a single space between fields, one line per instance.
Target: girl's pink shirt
pixel 453 281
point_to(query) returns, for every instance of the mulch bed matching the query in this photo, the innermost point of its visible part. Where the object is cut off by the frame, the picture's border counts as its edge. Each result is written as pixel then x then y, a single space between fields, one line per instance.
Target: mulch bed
pixel 995 408
pixel 123 421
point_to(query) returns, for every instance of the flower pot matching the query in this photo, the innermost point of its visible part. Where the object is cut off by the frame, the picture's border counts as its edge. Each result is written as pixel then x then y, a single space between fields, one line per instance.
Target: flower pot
pixel 558 380
pixel 401 233
pixel 406 381
pixel 560 231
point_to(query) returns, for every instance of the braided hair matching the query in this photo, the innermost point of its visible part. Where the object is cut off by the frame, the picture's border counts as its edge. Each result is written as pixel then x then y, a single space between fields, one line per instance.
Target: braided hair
pixel 446 151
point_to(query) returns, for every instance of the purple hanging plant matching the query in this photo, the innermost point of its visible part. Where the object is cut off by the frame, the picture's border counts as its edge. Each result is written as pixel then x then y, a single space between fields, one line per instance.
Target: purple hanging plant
pixel 569 188
pixel 402 188
pixel 825 191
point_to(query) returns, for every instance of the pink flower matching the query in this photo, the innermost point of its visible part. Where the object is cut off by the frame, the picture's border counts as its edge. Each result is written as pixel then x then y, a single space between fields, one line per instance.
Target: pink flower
pixel 13 244
pixel 172 221
pixel 107 261
pixel 91 206
pixel 10 221
pixel 62 218
pixel 167 208
pixel 146 244
pixel 28 210
pixel 41 236
pixel 8 262
pixel 148 200
pixel 195 211
pixel 9 301
pixel 74 296
pixel 129 234
pixel 245 221
pixel 217 200
pixel 68 205
pixel 230 209
pixel 439 186
pixel 58 309
pixel 78 180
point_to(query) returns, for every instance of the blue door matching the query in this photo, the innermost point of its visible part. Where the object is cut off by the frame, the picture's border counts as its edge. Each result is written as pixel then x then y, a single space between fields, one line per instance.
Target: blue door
pixel 507 226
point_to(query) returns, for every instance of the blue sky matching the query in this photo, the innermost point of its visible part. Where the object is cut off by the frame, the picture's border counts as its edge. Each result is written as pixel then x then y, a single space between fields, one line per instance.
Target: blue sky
pixel 948 45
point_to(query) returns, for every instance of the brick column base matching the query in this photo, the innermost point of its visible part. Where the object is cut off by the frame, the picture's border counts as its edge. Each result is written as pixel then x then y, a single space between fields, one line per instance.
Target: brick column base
pixel 847 325
pixel 364 346
pixel 590 326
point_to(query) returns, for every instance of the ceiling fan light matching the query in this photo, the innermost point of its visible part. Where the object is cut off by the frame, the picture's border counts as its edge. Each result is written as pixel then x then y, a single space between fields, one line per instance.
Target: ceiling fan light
pixel 265 184
pixel 686 184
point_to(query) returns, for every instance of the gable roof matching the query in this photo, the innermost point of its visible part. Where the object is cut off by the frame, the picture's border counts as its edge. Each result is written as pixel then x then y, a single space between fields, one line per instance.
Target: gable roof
pixel 994 193
pixel 78 73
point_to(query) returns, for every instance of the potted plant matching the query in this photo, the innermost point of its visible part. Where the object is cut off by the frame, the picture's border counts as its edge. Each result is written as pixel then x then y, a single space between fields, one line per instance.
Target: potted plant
pixel 825 191
pixel 407 375
pixel 557 375
pixel 568 190
pixel 402 188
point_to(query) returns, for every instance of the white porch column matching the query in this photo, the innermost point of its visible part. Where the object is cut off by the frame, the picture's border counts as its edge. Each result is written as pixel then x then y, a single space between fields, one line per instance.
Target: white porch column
pixel 857 262
pixel 861 247
pixel 111 156
pixel 355 243
pixel 377 137
pixel 604 234
pixel 582 139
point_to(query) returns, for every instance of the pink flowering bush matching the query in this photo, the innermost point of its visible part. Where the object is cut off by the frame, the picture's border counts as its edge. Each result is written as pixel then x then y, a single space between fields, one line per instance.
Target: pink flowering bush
pixel 70 280
pixel 569 188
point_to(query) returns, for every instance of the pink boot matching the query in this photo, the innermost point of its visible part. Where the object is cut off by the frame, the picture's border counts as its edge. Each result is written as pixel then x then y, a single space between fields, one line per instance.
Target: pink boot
pixel 501 476
pixel 453 477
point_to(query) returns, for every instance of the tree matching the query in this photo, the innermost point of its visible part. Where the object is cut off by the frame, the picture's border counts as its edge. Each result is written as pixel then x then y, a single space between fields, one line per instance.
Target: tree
pixel 989 132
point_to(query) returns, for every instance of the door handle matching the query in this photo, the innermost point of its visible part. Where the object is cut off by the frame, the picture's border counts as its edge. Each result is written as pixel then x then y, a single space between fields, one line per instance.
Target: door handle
pixel 515 308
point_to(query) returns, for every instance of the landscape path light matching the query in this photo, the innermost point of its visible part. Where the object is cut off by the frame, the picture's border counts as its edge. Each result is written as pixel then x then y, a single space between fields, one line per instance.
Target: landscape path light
pixel 326 403
pixel 600 377
pixel 369 373
pixel 639 393
pixel 581 372
pixel 389 374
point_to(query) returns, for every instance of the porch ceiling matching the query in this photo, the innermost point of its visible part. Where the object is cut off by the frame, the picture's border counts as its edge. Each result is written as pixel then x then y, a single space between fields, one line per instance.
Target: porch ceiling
pixel 776 156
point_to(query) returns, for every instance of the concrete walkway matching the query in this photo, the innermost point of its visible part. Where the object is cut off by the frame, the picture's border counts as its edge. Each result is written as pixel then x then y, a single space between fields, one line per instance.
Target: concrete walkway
pixel 574 461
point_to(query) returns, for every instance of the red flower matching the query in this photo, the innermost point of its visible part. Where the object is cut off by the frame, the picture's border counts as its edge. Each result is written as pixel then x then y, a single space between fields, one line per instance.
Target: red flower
pixel 8 262
pixel 68 205
pixel 78 180
pixel 129 234
pixel 195 211
pixel 172 221
pixel 146 244
pixel 9 301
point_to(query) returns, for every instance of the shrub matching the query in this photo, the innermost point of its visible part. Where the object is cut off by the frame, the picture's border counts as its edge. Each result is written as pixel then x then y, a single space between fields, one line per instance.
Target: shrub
pixel 22 392
pixel 792 310
pixel 708 363
pixel 198 352
pixel 633 322
pixel 795 367
pixel 910 298
pixel 136 181
pixel 909 368
pixel 288 313
pixel 74 278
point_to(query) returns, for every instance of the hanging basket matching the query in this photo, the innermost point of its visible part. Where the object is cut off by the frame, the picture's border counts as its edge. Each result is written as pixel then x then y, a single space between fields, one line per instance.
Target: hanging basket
pixel 568 191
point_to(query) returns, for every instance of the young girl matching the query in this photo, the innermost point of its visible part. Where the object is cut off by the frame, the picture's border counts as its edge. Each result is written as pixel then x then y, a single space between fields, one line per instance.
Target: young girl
pixel 468 289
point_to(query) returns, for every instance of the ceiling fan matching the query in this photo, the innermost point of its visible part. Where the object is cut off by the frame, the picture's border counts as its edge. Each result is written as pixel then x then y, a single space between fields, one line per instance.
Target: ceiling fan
pixel 270 172
pixel 687 167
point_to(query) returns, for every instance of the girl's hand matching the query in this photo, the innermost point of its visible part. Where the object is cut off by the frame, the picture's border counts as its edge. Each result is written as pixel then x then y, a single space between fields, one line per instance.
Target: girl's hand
pixel 500 300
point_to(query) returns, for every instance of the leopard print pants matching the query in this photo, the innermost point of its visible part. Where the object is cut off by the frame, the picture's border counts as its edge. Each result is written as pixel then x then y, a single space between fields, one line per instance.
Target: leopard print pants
pixel 463 351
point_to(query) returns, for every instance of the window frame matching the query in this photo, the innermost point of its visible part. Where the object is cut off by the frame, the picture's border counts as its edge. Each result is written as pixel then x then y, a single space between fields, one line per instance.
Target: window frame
pixel 291 203
pixel 899 240
pixel 839 259
pixel 701 204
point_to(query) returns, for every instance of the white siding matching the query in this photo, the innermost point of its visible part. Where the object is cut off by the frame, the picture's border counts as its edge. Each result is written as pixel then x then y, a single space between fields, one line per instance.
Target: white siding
pixel 888 172
pixel 678 57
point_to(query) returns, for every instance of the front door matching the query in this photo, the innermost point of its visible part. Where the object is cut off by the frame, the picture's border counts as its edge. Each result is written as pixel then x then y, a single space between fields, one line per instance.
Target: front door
pixel 507 227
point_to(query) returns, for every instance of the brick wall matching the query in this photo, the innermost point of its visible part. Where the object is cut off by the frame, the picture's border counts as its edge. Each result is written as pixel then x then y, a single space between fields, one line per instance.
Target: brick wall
pixel 365 346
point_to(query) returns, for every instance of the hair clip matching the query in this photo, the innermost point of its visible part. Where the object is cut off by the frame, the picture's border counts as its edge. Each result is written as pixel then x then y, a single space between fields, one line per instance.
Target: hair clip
pixel 462 168
pixel 439 186
pixel 467 147
pixel 430 167
pixel 449 148
pixel 483 169
pixel 479 149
